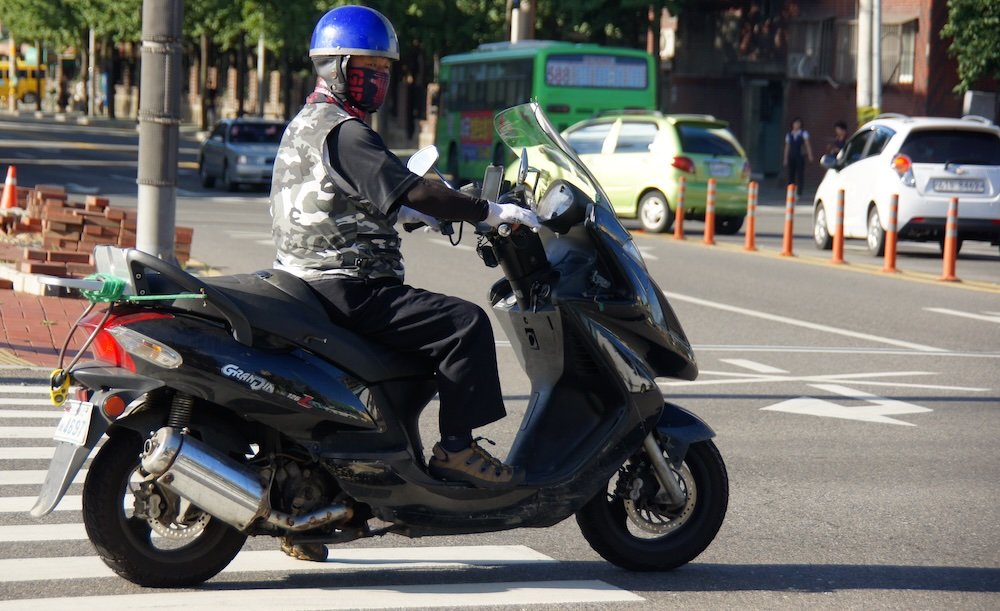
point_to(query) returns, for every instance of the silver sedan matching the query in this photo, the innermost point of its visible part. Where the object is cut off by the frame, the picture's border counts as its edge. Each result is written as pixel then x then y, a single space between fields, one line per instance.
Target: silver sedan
pixel 240 151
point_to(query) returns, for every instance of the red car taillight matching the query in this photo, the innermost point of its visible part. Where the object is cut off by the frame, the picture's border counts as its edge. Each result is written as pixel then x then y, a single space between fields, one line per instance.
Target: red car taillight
pixel 115 343
pixel 684 164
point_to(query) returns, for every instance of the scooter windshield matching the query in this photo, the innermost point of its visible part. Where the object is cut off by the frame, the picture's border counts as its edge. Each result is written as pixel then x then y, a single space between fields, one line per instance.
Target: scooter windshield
pixel 526 127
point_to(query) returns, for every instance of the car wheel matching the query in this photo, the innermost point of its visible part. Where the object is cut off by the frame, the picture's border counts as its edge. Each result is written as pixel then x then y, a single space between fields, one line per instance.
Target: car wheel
pixel 728 225
pixel 958 247
pixel 207 180
pixel 876 234
pixel 655 214
pixel 821 233
pixel 227 181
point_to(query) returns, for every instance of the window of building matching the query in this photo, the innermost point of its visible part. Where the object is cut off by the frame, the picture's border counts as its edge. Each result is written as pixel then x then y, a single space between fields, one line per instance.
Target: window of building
pixel 898 52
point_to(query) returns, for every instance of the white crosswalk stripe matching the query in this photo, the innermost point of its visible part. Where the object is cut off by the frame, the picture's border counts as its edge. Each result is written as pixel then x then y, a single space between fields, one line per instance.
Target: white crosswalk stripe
pixel 26 453
pixel 563 593
pixel 23 504
pixel 31 477
pixel 19 403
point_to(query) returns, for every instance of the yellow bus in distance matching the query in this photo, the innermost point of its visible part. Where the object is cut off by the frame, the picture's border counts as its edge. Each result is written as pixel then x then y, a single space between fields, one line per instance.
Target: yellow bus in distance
pixel 28 82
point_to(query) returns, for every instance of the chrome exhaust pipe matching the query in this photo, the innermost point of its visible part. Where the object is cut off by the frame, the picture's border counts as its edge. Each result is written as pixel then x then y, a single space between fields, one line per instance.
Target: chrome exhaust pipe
pixel 221 486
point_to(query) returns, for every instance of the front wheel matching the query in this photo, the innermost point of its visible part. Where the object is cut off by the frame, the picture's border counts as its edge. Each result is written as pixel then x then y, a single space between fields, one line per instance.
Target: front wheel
pixel 631 526
pixel 181 546
pixel 655 214
pixel 821 231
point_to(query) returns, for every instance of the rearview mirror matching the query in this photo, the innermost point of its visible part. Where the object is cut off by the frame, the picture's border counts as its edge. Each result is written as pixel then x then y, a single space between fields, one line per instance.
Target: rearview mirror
pixel 423 160
pixel 828 161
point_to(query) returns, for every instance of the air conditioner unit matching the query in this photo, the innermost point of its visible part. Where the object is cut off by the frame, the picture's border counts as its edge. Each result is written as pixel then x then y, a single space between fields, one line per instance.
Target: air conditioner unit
pixel 803 66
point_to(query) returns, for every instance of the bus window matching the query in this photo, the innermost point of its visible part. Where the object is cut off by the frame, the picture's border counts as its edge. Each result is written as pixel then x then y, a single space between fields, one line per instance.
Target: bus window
pixel 570 81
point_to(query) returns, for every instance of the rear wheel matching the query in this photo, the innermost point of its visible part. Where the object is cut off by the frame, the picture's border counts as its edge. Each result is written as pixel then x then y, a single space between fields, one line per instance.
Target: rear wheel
pixel 728 225
pixel 655 214
pixel 182 546
pixel 631 526
pixel 207 180
pixel 876 234
pixel 958 246
pixel 821 231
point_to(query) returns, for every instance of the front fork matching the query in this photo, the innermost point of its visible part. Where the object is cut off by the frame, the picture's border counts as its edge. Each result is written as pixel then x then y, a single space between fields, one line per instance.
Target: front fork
pixel 668 483
pixel 678 428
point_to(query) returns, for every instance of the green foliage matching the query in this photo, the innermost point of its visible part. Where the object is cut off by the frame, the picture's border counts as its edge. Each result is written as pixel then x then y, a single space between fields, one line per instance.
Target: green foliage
pixel 974 26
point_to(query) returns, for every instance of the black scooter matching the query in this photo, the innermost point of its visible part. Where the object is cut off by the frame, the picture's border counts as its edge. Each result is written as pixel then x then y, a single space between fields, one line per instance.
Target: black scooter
pixel 234 407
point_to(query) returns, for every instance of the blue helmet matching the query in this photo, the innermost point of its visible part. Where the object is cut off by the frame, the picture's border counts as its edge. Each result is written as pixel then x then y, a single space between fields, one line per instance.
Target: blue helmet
pixel 354 30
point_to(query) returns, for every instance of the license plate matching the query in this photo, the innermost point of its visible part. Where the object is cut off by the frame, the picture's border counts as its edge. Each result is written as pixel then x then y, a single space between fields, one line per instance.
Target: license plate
pixel 720 169
pixel 959 185
pixel 75 422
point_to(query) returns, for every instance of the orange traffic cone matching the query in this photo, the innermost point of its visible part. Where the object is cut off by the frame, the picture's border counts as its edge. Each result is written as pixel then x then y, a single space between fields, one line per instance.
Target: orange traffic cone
pixel 10 190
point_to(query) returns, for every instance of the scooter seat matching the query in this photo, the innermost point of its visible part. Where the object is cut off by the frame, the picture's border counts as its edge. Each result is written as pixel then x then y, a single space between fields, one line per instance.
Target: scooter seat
pixel 280 304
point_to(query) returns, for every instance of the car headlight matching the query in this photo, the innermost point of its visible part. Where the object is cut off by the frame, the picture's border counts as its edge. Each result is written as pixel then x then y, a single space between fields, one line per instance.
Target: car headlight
pixel 242 160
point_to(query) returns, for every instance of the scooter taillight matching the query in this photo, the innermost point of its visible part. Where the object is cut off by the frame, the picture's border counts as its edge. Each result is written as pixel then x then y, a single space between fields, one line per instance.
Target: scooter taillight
pixel 116 344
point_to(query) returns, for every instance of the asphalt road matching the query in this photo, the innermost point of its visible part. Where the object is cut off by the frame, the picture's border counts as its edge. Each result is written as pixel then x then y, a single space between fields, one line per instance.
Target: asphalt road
pixel 856 412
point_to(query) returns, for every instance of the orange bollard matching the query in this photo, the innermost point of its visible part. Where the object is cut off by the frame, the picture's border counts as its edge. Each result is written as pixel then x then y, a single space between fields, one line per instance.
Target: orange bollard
pixel 751 238
pixel 889 264
pixel 786 244
pixel 679 221
pixel 950 243
pixel 710 213
pixel 838 232
pixel 9 199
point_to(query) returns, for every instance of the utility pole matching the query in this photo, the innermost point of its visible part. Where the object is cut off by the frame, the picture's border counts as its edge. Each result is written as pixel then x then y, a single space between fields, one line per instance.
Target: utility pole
pixel 260 74
pixel 91 72
pixel 159 121
pixel 864 55
pixel 876 56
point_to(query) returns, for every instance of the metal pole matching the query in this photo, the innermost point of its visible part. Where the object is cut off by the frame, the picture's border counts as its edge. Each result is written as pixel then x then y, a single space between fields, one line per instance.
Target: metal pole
pixel 877 55
pixel 91 69
pixel 864 58
pixel 12 75
pixel 159 120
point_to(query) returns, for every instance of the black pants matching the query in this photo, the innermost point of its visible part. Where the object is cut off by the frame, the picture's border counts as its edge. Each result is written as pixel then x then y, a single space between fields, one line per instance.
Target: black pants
pixel 797 172
pixel 452 333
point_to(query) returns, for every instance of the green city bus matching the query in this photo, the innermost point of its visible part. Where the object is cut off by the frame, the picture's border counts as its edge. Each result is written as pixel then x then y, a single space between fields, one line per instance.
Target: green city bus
pixel 570 81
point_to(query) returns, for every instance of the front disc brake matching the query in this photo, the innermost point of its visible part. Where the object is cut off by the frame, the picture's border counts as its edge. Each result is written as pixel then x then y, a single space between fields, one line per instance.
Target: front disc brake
pixel 651 516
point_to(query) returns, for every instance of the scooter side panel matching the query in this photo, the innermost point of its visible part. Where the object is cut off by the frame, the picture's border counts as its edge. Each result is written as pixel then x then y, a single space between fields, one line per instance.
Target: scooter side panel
pixel 287 388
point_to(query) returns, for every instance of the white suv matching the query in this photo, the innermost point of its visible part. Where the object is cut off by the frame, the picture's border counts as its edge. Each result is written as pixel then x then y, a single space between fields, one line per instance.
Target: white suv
pixel 927 161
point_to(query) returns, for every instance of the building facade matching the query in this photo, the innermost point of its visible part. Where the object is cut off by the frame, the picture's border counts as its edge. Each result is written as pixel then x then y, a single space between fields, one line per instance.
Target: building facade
pixel 760 63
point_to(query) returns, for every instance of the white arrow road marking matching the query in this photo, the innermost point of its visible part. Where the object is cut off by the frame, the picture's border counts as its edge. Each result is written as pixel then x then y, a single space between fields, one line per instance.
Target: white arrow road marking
pixel 854 378
pixel 985 317
pixel 879 411
pixel 753 366
pixel 456 595
pixel 647 253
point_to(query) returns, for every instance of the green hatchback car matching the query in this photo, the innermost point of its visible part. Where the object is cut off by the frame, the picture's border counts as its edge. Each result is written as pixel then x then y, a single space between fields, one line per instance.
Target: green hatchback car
pixel 639 158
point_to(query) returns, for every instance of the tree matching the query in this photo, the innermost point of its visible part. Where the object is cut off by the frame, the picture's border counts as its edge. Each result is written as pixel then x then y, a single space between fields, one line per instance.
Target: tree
pixel 974 26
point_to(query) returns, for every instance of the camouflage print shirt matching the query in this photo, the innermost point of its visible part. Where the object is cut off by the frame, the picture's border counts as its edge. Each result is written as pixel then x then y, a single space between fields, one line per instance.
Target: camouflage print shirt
pixel 333 202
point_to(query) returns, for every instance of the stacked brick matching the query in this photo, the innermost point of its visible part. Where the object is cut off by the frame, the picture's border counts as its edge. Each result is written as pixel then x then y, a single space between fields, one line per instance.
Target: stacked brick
pixel 71 230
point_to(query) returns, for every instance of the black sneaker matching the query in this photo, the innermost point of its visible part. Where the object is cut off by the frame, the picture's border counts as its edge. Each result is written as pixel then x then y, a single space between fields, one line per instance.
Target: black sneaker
pixel 475 466
pixel 312 552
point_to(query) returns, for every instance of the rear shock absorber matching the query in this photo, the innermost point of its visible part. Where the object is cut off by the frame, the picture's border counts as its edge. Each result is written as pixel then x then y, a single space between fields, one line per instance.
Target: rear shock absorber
pixel 180 411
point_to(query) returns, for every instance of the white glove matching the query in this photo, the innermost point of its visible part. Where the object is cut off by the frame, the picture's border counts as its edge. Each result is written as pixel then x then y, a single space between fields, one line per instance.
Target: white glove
pixel 409 215
pixel 512 214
